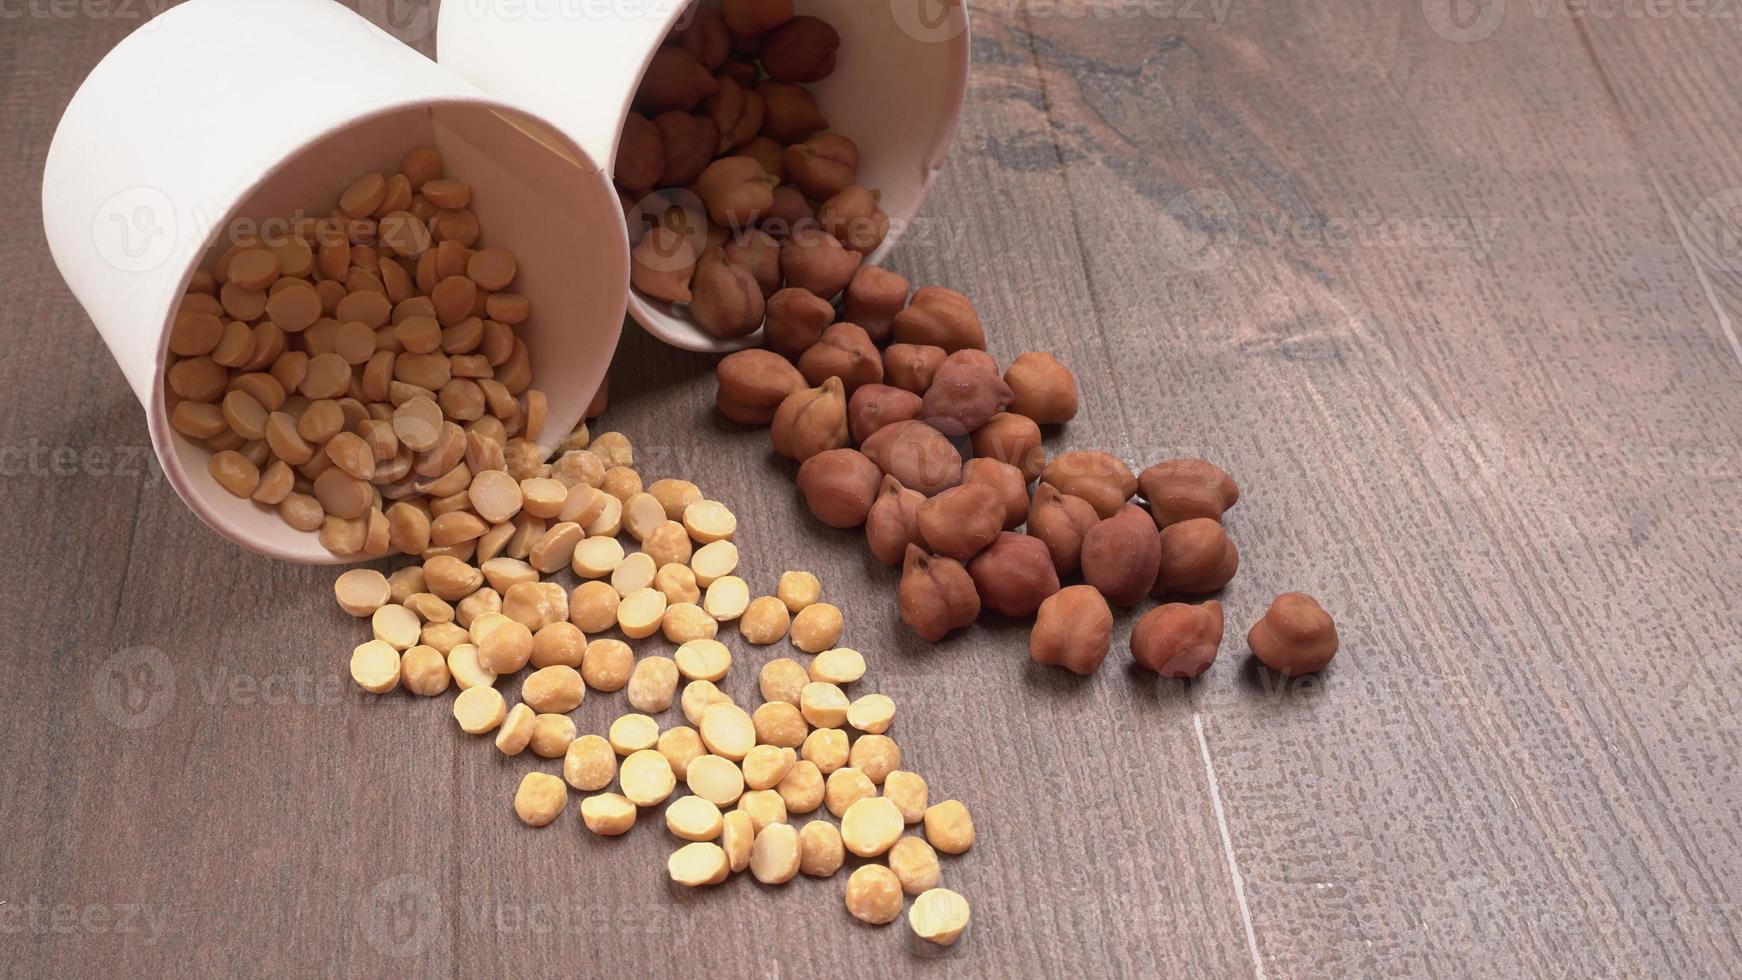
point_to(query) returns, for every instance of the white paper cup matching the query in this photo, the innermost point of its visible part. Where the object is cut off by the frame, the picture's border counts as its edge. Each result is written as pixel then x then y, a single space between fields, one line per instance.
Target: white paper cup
pixel 897 89
pixel 220 113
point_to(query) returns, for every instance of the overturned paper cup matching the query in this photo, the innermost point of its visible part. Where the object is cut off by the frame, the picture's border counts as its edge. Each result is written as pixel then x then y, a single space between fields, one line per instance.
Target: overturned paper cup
pixel 897 90
pixel 221 116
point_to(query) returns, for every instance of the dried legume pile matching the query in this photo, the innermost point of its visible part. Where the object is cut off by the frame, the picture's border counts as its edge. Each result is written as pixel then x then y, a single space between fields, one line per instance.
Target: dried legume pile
pixel 361 373
pixel 747 213
pixel 970 534
pixel 733 778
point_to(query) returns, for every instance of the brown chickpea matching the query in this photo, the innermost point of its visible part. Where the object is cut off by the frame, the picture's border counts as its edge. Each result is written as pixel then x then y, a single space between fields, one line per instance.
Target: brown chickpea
pixel 757 252
pixel 912 367
pixel 874 296
pixel 1073 629
pixel 1122 554
pixel 662 264
pixel 767 152
pixel 705 36
pixel 856 217
pixel 727 300
pixel 689 143
pixel 1101 479
pixel 811 421
pixel 962 521
pixel 674 80
pixel 640 154
pixel 736 191
pixel 1042 388
pixel 1014 575
pixel 1011 438
pixel 752 385
pixel 939 317
pixel 823 166
pixel 1060 522
pixel 965 393
pixel 874 406
pixel 790 112
pixel 893 521
pixel 1181 489
pixel 813 259
pixel 839 486
pixel 801 50
pixel 1178 640
pixel 1296 635
pixel 918 455
pixel 1197 557
pixel 796 320
pixel 844 351
pixel 789 212
pixel 735 111
pixel 1005 479
pixel 937 595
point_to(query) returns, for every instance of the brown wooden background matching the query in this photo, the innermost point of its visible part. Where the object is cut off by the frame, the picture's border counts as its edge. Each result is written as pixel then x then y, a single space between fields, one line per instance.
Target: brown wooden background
pixel 1449 288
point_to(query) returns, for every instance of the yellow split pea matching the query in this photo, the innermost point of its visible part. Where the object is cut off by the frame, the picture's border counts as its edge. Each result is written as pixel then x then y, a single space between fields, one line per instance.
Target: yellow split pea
pixel 698 864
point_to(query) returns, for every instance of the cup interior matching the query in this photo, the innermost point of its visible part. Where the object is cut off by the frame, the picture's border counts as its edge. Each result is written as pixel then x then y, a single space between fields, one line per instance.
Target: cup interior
pixel 535 194
pixel 897 91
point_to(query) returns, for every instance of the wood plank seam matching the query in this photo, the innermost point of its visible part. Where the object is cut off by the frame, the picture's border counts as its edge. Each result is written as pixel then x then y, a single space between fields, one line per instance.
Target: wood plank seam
pixel 1687 247
pixel 1228 847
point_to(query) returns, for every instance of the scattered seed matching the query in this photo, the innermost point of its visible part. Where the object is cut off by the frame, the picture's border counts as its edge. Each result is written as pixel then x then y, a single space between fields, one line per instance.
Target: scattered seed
pixel 908 791
pixel 949 827
pixel 915 863
pixel 874 895
pixel 540 799
pixel 816 627
pixel 798 590
pixel 774 856
pixel 632 733
pixel 516 730
pixel 845 787
pixel 703 659
pixel 375 667
pixel 840 665
pixel 646 778
pixel 479 709
pixel 608 814
pixel 821 852
pixel 715 779
pixel 590 763
pixel 870 826
pixel 938 916
pixel 698 864
pixel 694 819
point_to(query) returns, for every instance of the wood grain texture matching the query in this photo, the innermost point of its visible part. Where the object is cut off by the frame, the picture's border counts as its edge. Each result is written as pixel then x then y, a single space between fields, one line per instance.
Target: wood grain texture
pixel 1452 298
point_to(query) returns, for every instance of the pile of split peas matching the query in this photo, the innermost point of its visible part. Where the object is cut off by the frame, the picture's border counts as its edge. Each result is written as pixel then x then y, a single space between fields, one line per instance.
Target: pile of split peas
pixel 807 747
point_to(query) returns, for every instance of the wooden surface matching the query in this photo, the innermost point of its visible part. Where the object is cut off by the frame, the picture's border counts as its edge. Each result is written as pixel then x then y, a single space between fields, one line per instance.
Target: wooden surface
pixel 1453 300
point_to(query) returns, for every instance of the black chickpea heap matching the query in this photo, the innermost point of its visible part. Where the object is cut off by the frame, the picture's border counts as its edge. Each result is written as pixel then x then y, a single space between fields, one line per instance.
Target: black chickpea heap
pixel 739 202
